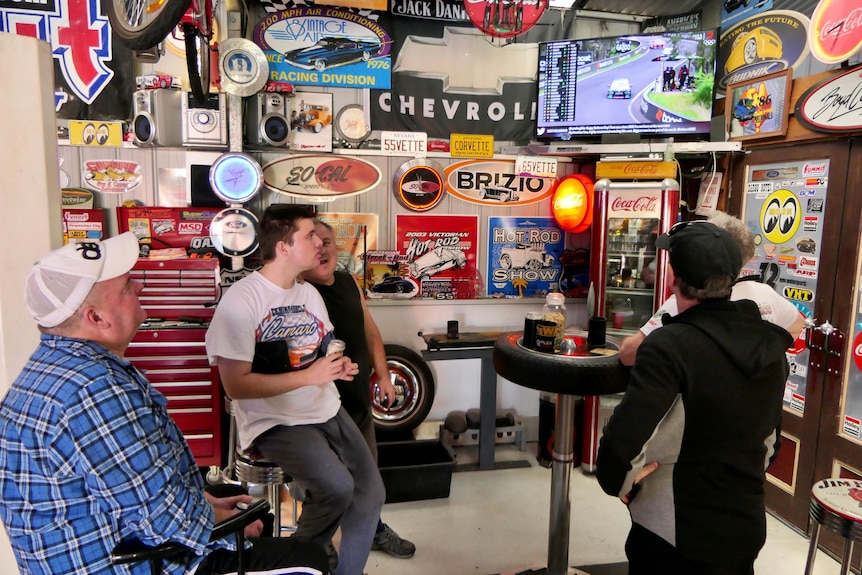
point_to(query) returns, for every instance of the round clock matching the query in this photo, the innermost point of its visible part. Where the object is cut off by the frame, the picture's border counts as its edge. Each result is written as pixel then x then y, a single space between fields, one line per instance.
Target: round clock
pixel 235 177
pixel 233 232
pixel 351 125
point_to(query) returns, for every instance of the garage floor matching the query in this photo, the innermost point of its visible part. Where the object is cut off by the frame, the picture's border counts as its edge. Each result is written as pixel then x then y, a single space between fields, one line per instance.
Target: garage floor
pixel 496 522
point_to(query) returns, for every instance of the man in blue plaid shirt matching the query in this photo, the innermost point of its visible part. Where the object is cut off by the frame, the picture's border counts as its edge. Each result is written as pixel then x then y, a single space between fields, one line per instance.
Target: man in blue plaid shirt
pixel 88 453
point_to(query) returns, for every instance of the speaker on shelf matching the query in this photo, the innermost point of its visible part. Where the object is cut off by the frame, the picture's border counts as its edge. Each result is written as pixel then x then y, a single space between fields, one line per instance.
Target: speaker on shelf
pixel 204 125
pixel 156 118
pixel 267 120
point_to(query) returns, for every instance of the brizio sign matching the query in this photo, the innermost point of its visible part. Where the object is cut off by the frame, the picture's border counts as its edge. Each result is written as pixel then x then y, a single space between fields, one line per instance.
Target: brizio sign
pixel 834 105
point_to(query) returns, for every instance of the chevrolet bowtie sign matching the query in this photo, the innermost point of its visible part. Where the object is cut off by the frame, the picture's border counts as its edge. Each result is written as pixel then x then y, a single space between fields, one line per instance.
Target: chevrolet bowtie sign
pixel 438 88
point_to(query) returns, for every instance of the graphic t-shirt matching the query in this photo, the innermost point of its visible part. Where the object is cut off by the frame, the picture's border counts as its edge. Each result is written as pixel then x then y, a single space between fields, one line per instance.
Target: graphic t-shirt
pixel 276 330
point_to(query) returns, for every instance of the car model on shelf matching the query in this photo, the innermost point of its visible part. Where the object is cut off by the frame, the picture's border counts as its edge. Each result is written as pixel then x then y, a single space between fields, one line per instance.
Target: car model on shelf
pixel 437 260
pixel 620 88
pixel 394 284
pixel 153 81
pixel 331 51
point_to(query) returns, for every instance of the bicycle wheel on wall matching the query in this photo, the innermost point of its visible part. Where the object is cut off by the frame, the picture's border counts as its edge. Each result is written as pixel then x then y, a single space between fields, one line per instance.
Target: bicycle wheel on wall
pixel 414 391
pixel 142 24
pixel 197 63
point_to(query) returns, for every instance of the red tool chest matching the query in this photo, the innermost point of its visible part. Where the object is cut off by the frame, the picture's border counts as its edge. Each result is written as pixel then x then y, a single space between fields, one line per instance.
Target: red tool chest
pixel 179 297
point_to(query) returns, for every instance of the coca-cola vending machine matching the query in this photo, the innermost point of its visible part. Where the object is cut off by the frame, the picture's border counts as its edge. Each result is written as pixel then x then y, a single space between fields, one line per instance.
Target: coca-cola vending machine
pixel 626 272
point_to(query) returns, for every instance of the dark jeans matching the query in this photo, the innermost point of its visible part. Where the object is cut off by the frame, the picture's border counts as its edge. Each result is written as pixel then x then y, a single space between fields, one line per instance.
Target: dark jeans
pixel 649 554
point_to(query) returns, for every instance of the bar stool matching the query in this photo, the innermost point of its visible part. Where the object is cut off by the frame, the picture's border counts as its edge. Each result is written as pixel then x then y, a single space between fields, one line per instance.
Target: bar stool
pixel 250 468
pixel 835 505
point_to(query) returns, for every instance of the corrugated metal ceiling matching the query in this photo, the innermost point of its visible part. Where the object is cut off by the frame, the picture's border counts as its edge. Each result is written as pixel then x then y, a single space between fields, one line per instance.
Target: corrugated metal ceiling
pixel 675 7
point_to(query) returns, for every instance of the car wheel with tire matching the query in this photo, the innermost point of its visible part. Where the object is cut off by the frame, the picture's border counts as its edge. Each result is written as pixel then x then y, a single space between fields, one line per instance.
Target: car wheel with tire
pixel 414 392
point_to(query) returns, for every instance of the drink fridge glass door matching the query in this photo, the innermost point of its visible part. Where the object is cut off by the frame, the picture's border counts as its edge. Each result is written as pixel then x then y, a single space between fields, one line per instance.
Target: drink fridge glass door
pixel 631 271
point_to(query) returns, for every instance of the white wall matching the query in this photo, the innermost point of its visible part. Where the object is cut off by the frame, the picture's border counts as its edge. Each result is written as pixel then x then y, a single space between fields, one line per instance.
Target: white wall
pixel 30 195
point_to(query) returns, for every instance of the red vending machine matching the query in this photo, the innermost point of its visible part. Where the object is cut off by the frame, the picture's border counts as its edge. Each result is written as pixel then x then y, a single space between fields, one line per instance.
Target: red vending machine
pixel 626 272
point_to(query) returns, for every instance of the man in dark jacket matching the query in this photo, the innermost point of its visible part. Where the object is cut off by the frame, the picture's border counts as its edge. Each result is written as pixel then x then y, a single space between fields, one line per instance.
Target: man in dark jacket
pixel 345 303
pixel 688 446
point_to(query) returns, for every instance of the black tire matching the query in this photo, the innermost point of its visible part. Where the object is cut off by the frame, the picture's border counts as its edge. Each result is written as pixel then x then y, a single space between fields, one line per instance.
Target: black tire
pixel 590 375
pixel 414 385
pixel 505 261
pixel 320 65
pixel 149 32
pixel 197 64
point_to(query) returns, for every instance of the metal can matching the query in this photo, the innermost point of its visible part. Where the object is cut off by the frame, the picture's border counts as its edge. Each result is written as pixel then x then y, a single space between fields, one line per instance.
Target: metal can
pixel 335 346
pixel 530 322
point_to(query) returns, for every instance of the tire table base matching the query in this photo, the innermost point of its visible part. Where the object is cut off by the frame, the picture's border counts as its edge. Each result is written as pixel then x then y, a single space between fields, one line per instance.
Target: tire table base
pixel 587 373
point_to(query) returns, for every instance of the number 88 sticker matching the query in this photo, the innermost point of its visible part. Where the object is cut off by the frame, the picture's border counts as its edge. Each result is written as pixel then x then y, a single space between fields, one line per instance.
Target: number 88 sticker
pixel 780 215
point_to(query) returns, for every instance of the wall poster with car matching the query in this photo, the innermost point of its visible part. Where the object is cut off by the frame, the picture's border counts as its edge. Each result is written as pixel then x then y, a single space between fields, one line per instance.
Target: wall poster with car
pixel 440 254
pixel 311 122
pixel 355 234
pixel 524 256
pixel 325 46
pixel 785 208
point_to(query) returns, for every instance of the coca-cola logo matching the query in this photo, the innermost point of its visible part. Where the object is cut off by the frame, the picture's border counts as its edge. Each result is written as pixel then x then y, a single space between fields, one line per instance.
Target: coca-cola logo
pixel 641 204
pixel 857 351
pixel 807 262
pixel 640 169
pixel 835 33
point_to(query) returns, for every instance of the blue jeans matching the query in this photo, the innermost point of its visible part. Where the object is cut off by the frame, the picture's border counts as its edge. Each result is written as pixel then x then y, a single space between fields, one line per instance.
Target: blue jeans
pixel 332 463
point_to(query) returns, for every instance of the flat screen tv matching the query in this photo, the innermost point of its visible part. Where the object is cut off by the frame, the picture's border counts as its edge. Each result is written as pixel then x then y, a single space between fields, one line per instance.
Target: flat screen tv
pixel 649 85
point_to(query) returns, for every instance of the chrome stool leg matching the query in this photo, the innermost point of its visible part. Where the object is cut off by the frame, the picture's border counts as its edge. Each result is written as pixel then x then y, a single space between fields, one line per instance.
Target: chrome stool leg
pixel 812 548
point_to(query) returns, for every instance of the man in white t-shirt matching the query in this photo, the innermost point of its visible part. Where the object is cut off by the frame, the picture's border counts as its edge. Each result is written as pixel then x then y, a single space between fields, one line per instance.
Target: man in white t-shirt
pixel 773 308
pixel 269 337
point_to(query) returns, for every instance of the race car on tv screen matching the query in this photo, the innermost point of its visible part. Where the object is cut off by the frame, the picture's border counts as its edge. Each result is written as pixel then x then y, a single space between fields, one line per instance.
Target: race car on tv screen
pixel 333 51
pixel 620 88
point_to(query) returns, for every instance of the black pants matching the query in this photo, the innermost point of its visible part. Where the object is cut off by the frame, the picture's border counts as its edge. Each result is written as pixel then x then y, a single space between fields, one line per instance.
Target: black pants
pixel 649 554
pixel 273 555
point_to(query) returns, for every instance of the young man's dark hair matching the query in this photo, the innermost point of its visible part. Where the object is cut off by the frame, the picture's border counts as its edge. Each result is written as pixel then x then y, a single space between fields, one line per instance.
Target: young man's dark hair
pixel 277 224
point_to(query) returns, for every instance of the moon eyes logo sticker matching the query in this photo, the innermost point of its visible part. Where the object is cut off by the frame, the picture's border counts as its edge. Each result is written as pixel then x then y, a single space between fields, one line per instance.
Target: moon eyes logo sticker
pixel 779 217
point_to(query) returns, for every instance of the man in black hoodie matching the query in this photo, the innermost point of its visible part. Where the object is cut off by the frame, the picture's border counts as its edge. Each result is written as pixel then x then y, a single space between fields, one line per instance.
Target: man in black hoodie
pixel 688 446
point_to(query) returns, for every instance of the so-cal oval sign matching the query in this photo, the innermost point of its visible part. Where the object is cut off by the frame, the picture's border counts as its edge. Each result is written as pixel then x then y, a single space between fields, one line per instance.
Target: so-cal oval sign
pixel 320 178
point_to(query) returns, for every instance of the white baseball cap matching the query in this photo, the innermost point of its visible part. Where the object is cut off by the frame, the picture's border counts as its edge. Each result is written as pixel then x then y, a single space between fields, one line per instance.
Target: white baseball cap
pixel 61 280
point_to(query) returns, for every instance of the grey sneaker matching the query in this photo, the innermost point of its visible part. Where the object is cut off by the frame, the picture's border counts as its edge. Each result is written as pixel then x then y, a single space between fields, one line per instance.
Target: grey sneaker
pixel 389 542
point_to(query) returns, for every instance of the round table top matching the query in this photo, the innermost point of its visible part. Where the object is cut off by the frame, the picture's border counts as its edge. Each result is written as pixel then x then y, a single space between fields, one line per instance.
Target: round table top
pixel 586 372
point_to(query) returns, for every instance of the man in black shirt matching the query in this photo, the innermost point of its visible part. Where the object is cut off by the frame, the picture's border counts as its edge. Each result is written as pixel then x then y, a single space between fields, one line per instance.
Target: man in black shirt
pixel 345 303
